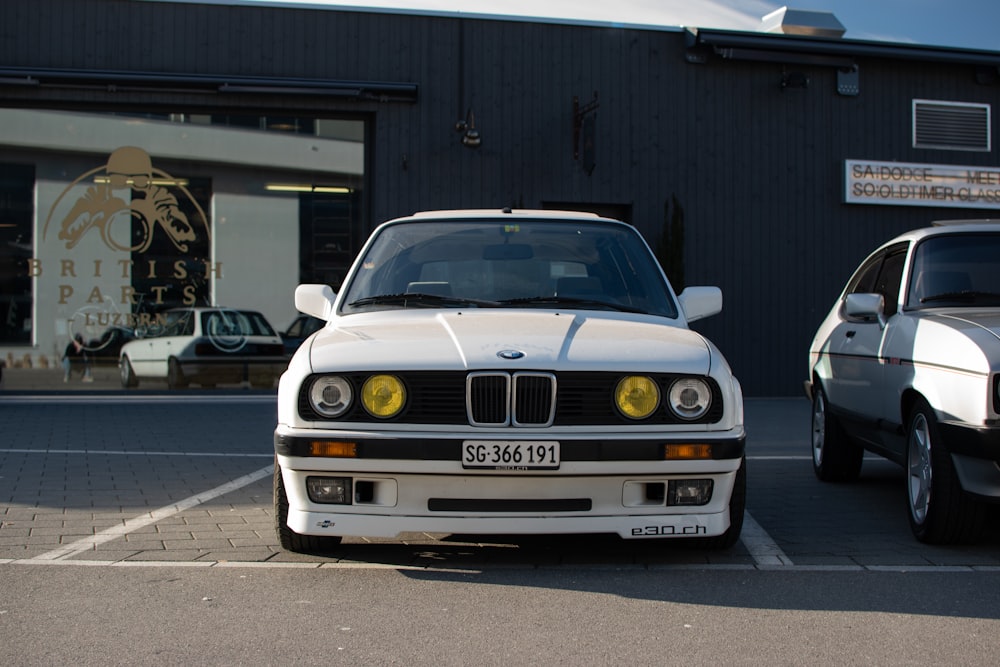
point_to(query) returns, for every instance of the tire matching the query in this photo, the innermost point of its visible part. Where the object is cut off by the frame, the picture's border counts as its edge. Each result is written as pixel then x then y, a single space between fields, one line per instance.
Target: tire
pixel 940 511
pixel 288 538
pixel 737 507
pixel 175 376
pixel 129 380
pixel 835 456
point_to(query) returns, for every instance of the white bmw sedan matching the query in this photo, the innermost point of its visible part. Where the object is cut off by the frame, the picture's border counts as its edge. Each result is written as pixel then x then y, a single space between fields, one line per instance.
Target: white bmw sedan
pixel 508 372
pixel 907 365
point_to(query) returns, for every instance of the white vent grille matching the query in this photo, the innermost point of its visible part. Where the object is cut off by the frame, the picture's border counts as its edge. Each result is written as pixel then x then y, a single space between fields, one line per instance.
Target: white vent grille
pixel 951 125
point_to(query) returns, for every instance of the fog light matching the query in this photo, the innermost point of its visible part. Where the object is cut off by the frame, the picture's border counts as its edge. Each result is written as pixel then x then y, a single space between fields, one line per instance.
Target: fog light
pixel 329 490
pixel 689 492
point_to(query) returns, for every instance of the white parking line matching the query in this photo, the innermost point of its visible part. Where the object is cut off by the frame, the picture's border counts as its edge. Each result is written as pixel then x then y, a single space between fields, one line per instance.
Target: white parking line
pixel 167 399
pixel 762 548
pixel 89 543
pixel 779 458
pixel 112 452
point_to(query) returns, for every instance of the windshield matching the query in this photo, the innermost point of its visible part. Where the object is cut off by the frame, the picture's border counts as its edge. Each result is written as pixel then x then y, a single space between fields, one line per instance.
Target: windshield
pixel 956 270
pixel 503 264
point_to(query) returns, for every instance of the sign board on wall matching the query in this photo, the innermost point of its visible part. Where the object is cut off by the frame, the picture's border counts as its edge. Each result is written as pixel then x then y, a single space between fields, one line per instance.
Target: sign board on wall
pixel 910 184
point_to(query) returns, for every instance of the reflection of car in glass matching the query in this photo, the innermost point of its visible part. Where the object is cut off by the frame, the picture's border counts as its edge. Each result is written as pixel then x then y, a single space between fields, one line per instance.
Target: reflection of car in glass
pixel 508 373
pixel 907 365
pixel 207 346
pixel 106 349
pixel 301 328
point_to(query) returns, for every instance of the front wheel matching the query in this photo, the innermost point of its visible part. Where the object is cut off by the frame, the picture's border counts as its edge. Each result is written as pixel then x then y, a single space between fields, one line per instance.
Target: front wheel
pixel 737 507
pixel 836 457
pixel 175 375
pixel 288 538
pixel 129 380
pixel 940 511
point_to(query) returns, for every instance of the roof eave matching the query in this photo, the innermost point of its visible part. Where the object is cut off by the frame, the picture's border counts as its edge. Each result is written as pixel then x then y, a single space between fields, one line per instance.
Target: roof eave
pixel 795 48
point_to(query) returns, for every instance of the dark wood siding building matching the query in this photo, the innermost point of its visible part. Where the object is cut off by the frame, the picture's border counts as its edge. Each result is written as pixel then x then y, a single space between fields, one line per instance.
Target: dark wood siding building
pixel 727 150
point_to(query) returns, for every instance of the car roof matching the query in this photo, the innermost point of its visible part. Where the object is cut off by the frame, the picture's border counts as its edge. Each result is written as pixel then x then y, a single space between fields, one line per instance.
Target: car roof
pixel 520 213
pixel 944 227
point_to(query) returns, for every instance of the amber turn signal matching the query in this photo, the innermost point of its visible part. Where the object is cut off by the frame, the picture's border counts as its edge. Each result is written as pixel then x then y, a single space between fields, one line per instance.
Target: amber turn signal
pixel 333 449
pixel 686 452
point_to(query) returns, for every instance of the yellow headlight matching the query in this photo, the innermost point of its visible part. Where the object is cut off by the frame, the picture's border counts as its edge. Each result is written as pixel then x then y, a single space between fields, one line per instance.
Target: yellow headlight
pixel 637 396
pixel 383 396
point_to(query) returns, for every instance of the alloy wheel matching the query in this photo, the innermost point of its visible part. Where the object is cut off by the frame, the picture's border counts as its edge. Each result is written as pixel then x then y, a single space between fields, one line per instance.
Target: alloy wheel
pixel 919 468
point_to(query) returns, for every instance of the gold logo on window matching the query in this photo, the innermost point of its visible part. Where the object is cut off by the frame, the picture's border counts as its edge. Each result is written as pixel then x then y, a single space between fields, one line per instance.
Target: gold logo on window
pixel 127 202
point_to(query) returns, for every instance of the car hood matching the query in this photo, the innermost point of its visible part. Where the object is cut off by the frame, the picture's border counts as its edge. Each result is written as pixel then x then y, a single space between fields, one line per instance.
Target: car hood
pixel 459 340
pixel 972 322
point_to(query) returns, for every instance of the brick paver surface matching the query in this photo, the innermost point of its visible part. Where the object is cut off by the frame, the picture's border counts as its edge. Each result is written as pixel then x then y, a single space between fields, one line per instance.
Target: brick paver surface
pixel 71 471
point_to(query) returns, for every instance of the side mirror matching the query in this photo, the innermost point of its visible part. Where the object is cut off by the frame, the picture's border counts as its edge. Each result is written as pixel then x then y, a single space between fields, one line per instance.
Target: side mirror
pixel 700 302
pixel 862 307
pixel 315 300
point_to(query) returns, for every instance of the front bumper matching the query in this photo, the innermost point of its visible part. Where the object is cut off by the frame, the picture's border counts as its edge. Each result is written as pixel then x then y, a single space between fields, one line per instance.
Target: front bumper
pixel 980 442
pixel 307 522
pixel 975 452
pixel 603 485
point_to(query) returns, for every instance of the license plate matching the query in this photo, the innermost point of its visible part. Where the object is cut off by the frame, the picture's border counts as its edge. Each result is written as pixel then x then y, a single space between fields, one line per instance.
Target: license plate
pixel 510 454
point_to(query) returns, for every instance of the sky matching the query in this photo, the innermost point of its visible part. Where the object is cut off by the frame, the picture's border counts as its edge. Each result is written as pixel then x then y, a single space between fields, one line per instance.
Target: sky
pixel 967 24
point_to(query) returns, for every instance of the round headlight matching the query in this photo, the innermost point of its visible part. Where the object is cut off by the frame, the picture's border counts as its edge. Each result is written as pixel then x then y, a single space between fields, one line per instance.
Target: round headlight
pixel 383 396
pixel 637 396
pixel 690 398
pixel 330 395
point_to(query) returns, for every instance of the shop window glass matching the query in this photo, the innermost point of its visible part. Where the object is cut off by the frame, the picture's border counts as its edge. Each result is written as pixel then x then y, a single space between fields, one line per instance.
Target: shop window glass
pixel 109 220
pixel 16 211
pixel 331 234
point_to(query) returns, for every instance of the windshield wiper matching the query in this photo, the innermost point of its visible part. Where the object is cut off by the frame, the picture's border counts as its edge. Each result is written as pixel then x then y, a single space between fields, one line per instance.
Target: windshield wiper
pixel 419 300
pixel 969 296
pixel 570 301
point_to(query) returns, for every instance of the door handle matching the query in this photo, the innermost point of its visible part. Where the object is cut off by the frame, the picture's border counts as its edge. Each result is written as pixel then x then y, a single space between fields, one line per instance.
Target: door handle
pixel 850 334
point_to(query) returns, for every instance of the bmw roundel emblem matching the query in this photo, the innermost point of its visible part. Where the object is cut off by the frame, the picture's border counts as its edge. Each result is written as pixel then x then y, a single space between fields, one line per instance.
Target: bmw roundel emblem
pixel 510 354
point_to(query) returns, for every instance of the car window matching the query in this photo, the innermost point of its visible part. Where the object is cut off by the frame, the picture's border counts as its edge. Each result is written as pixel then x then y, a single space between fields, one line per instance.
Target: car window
pixel 495 263
pixel 864 278
pixel 295 330
pixel 955 270
pixel 234 323
pixel 889 277
pixel 312 325
pixel 303 326
pixel 881 274
pixel 178 323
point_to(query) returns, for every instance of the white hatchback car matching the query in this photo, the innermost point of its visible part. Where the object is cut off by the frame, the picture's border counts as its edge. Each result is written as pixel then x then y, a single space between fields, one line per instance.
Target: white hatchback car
pixel 507 372
pixel 907 365
pixel 206 346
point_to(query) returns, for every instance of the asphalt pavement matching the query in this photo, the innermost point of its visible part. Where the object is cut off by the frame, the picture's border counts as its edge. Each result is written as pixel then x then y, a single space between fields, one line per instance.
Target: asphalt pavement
pixel 137 528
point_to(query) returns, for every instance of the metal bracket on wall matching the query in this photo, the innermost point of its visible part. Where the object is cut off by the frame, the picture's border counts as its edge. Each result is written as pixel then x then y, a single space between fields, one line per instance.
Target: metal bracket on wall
pixel 848 81
pixel 579 115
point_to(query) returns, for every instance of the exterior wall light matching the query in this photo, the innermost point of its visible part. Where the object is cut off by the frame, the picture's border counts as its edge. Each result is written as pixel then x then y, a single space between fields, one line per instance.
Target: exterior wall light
pixel 470 138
